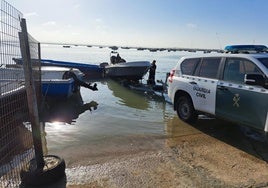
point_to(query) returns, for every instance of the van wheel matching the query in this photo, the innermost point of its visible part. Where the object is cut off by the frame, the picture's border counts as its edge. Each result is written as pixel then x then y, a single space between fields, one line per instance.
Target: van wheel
pixel 185 109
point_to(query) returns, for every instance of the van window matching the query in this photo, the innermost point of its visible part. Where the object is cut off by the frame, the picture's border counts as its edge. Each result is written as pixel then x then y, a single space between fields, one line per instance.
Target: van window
pixel 264 61
pixel 209 67
pixel 236 68
pixel 188 66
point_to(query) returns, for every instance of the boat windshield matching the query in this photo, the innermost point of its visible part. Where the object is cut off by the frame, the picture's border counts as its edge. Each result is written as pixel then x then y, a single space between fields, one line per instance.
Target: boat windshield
pixel 264 61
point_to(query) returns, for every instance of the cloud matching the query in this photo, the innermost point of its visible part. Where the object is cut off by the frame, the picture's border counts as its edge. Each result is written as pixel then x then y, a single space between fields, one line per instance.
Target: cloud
pixel 191 25
pixel 77 6
pixel 100 26
pixel 98 20
pixel 30 14
pixel 75 33
pixel 49 23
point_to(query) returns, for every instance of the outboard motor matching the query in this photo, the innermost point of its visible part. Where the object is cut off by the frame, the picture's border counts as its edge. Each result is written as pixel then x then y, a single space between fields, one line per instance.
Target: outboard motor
pixel 122 60
pixel 104 64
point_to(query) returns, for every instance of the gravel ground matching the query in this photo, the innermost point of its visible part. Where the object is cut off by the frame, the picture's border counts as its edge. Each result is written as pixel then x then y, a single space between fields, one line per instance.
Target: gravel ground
pixel 209 154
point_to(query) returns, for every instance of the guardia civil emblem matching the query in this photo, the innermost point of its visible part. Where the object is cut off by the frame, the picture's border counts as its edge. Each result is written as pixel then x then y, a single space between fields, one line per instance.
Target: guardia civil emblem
pixel 236 99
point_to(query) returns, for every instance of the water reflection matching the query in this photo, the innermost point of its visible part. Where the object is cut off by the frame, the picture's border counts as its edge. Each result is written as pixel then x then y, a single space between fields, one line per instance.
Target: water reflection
pixel 66 111
pixel 235 135
pixel 177 129
pixel 128 97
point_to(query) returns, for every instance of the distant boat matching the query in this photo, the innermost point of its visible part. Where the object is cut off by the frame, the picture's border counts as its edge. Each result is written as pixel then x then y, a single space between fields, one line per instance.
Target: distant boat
pixel 153 49
pixel 134 70
pixel 66 46
pixel 140 48
pixel 114 47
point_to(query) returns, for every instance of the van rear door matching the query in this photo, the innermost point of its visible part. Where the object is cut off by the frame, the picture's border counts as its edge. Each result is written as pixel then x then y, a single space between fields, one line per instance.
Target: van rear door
pixel 205 84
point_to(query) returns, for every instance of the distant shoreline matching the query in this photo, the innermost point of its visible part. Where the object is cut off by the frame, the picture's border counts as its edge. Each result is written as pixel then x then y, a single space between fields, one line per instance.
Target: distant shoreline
pixel 152 49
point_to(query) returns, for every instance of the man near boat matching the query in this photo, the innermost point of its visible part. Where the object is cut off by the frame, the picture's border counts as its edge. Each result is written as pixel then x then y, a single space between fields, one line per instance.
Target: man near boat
pixel 151 78
pixel 78 82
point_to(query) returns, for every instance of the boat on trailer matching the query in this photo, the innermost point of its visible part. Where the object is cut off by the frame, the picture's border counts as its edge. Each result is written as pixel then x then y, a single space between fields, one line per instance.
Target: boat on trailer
pixel 129 70
pixel 158 90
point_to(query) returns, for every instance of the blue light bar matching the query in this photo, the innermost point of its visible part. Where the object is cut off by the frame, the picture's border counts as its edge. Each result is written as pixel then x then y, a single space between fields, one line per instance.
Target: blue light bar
pixel 246 48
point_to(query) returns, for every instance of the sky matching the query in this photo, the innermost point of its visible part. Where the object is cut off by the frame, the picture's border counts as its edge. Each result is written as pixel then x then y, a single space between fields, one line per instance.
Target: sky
pixel 211 24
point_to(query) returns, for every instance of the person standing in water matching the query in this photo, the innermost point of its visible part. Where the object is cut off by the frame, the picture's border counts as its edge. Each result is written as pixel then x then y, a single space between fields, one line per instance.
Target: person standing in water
pixel 151 78
pixel 78 82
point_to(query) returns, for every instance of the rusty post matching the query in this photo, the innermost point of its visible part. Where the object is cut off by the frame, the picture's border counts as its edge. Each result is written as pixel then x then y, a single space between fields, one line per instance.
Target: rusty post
pixel 31 95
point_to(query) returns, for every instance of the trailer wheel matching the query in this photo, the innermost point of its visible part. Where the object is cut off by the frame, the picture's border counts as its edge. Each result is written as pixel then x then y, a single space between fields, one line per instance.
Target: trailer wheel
pixel 185 109
pixel 53 170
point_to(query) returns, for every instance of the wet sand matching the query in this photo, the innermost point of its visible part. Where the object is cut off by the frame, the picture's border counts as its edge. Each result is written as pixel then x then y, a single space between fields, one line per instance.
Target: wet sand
pixel 211 153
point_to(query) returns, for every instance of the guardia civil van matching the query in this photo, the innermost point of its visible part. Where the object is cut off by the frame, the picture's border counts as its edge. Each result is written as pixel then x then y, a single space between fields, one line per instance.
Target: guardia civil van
pixel 231 86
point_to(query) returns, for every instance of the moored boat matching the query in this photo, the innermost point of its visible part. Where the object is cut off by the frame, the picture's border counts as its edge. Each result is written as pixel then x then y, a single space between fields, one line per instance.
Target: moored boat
pixel 91 71
pixel 121 69
pixel 52 82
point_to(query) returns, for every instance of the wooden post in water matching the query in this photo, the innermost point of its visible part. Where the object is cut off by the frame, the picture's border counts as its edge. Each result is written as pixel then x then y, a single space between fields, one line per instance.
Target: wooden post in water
pixel 31 95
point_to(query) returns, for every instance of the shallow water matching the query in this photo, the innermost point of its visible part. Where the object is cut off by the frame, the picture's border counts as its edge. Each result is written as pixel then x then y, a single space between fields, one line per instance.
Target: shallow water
pixel 120 111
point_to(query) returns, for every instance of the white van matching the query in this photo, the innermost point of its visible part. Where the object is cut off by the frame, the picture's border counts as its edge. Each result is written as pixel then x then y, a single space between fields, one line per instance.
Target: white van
pixel 230 86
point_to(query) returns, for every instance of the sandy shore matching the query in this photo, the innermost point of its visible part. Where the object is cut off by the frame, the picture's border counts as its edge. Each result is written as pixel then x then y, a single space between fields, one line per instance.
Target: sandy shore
pixel 209 154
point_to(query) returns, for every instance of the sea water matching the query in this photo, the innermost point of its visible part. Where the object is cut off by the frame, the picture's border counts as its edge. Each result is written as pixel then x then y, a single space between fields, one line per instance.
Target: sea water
pixel 120 111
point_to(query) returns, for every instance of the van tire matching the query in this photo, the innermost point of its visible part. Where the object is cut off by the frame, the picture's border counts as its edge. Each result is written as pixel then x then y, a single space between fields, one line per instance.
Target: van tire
pixel 185 109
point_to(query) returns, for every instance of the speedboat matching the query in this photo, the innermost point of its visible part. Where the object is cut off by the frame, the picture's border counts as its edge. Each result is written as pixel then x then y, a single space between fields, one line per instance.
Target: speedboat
pixel 121 69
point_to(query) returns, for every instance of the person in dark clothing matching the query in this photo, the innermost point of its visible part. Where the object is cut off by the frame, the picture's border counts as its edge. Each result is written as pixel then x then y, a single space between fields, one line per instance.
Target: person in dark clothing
pixel 78 82
pixel 151 78
pixel 118 58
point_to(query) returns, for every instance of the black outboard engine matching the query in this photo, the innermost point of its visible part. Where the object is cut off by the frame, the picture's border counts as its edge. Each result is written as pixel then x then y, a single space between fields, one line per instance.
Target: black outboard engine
pixel 122 61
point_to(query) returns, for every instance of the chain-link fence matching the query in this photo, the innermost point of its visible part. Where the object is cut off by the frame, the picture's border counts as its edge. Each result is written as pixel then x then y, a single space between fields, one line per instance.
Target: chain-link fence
pixel 16 142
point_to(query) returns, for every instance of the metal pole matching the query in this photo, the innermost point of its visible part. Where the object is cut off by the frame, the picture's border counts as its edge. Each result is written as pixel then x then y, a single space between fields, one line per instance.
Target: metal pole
pixel 31 95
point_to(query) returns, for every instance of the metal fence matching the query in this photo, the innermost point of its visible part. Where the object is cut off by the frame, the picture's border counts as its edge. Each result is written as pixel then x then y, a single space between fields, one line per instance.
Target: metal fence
pixel 16 142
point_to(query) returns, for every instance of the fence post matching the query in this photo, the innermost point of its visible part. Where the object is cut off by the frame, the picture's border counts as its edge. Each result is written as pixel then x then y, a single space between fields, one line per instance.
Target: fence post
pixel 31 95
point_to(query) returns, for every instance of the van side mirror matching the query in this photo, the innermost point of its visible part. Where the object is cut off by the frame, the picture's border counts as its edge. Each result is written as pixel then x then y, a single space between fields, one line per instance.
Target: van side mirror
pixel 255 79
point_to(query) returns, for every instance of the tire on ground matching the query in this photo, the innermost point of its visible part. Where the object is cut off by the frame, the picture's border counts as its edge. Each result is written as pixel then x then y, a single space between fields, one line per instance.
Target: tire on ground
pixel 43 177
